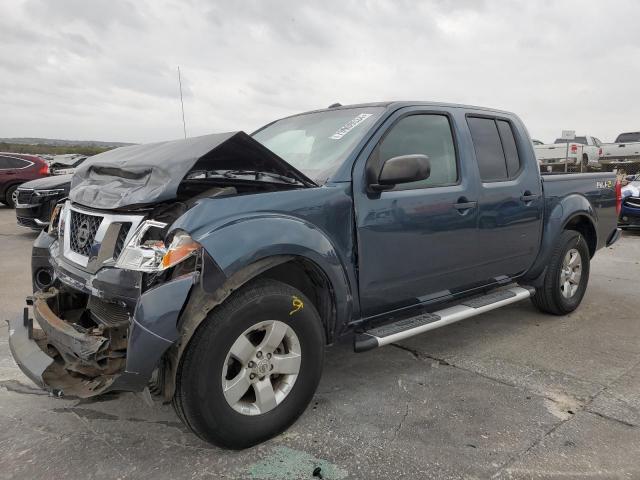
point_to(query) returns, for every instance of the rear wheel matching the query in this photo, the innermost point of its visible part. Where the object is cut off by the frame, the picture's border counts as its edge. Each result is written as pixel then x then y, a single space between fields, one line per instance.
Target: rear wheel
pixel 567 276
pixel 11 196
pixel 252 367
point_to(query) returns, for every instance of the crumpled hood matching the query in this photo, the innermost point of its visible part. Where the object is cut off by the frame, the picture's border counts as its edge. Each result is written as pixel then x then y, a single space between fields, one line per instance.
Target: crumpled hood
pixel 151 173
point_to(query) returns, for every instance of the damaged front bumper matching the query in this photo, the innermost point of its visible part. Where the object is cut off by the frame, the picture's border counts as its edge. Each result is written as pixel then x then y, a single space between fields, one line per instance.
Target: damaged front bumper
pixel 77 358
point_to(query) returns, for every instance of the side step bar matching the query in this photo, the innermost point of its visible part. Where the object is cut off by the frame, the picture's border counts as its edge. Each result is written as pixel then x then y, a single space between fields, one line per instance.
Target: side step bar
pixel 396 331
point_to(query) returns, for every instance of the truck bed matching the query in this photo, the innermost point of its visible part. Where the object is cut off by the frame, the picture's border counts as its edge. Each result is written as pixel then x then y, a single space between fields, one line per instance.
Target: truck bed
pixel 620 153
pixel 597 188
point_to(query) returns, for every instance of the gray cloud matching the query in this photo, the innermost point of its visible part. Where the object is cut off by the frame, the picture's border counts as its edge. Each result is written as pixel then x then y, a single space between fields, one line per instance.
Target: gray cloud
pixel 106 69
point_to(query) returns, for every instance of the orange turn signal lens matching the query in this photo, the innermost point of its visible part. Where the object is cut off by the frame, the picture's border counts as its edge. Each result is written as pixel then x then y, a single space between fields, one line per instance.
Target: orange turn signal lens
pixel 182 246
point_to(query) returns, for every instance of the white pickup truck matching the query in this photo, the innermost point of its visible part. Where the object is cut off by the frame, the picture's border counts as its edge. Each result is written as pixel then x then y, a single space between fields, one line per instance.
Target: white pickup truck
pixel 624 151
pixel 581 153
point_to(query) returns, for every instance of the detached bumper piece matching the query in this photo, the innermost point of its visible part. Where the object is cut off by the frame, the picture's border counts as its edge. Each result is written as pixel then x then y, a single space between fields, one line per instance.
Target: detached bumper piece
pixel 26 352
pixel 63 355
pixel 86 346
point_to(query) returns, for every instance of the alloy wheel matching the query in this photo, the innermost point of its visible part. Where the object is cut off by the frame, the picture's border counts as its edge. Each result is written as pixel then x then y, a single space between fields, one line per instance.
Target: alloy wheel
pixel 570 273
pixel 261 367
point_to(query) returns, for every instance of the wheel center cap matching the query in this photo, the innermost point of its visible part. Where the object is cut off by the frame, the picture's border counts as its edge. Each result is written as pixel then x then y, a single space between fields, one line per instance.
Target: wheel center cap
pixel 262 367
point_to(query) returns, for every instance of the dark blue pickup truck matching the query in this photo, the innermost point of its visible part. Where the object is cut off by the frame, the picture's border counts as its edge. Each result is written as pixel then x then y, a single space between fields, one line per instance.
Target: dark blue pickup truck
pixel 216 269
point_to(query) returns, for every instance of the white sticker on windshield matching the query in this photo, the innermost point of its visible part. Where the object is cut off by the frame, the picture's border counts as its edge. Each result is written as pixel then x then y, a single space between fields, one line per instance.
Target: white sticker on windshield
pixel 350 125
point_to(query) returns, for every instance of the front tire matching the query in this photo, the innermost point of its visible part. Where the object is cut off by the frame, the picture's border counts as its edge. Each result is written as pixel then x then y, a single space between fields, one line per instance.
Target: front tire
pixel 567 276
pixel 252 367
pixel 11 196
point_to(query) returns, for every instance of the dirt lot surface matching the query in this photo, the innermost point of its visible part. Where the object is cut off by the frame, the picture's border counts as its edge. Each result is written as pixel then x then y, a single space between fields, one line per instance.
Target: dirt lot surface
pixel 509 394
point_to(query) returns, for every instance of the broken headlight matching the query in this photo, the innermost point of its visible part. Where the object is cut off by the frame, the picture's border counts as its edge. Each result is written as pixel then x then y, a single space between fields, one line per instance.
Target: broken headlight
pixel 154 255
pixel 56 215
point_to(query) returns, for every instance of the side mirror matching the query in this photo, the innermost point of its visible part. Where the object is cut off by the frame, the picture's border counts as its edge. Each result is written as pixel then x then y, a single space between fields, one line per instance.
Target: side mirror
pixel 402 169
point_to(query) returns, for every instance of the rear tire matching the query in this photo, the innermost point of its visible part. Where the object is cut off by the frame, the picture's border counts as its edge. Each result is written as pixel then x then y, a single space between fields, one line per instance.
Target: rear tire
pixel 10 196
pixel 567 276
pixel 232 352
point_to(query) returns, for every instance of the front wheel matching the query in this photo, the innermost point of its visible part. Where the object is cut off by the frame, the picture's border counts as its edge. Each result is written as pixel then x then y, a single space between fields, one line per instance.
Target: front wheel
pixel 567 275
pixel 252 367
pixel 11 196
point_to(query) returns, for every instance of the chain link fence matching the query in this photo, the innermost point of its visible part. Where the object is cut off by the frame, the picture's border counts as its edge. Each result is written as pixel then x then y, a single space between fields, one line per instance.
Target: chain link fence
pixel 619 169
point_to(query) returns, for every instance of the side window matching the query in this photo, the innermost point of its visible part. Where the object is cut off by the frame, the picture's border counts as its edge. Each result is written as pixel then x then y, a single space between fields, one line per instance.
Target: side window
pixel 489 154
pixel 427 134
pixel 509 147
pixel 12 162
pixel 496 150
pixel 17 163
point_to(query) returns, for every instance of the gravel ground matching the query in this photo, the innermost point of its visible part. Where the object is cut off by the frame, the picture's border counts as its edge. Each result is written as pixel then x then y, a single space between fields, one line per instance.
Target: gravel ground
pixel 509 394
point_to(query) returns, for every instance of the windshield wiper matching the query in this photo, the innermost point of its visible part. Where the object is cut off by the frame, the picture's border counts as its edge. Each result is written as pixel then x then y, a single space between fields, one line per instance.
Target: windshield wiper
pixel 258 174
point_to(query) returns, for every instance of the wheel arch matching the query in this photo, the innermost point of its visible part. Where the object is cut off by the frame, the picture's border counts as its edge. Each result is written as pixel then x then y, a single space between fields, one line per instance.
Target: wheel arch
pixel 573 212
pixel 583 224
pixel 298 271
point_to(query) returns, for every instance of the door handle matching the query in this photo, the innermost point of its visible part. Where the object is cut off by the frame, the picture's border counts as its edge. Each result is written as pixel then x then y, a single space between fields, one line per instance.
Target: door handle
pixel 528 197
pixel 463 206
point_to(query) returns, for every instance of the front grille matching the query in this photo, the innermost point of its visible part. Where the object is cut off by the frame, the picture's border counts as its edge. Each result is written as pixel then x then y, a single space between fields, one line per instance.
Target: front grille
pixel 24 196
pixel 632 202
pixel 82 232
pixel 107 313
pixel 122 236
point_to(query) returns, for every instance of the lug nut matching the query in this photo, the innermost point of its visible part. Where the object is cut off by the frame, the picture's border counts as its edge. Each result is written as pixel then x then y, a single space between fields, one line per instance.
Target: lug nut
pixel 271 367
pixel 252 376
pixel 268 355
pixel 259 354
pixel 251 364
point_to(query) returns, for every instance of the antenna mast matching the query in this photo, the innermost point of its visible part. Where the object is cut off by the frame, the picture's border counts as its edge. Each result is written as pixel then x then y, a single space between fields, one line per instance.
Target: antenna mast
pixel 184 125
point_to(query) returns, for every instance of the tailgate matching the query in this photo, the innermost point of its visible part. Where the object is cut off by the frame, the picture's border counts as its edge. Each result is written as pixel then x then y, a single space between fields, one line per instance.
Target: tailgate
pixel 620 150
pixel 554 152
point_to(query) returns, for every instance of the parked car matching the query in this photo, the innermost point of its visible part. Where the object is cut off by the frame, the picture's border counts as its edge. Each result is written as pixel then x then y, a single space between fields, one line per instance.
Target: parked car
pixel 16 169
pixel 624 151
pixel 35 200
pixel 582 153
pixel 630 204
pixel 65 164
pixel 219 267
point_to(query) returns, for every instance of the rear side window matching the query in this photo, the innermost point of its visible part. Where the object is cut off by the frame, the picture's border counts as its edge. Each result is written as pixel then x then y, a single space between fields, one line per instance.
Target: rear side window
pixel 496 150
pixel 427 134
pixel 12 162
pixel 628 137
pixel 509 147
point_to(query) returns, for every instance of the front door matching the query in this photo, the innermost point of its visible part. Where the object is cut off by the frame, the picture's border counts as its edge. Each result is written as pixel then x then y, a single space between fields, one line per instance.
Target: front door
pixel 416 242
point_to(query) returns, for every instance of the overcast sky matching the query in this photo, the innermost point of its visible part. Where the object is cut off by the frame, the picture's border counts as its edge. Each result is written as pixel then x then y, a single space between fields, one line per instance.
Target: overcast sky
pixel 106 69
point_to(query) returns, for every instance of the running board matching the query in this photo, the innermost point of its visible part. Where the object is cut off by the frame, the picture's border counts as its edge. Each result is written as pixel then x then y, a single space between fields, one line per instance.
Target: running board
pixel 396 331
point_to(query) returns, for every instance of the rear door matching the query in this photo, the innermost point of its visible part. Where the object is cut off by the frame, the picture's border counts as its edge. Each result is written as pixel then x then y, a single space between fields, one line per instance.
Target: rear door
pixel 417 241
pixel 510 198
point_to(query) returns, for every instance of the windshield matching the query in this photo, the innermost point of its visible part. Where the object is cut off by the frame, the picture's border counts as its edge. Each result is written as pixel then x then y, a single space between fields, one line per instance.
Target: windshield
pixel 628 137
pixel 581 140
pixel 317 143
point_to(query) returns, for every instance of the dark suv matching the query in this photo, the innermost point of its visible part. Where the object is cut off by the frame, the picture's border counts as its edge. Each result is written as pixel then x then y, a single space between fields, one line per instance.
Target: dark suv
pixel 36 199
pixel 16 169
